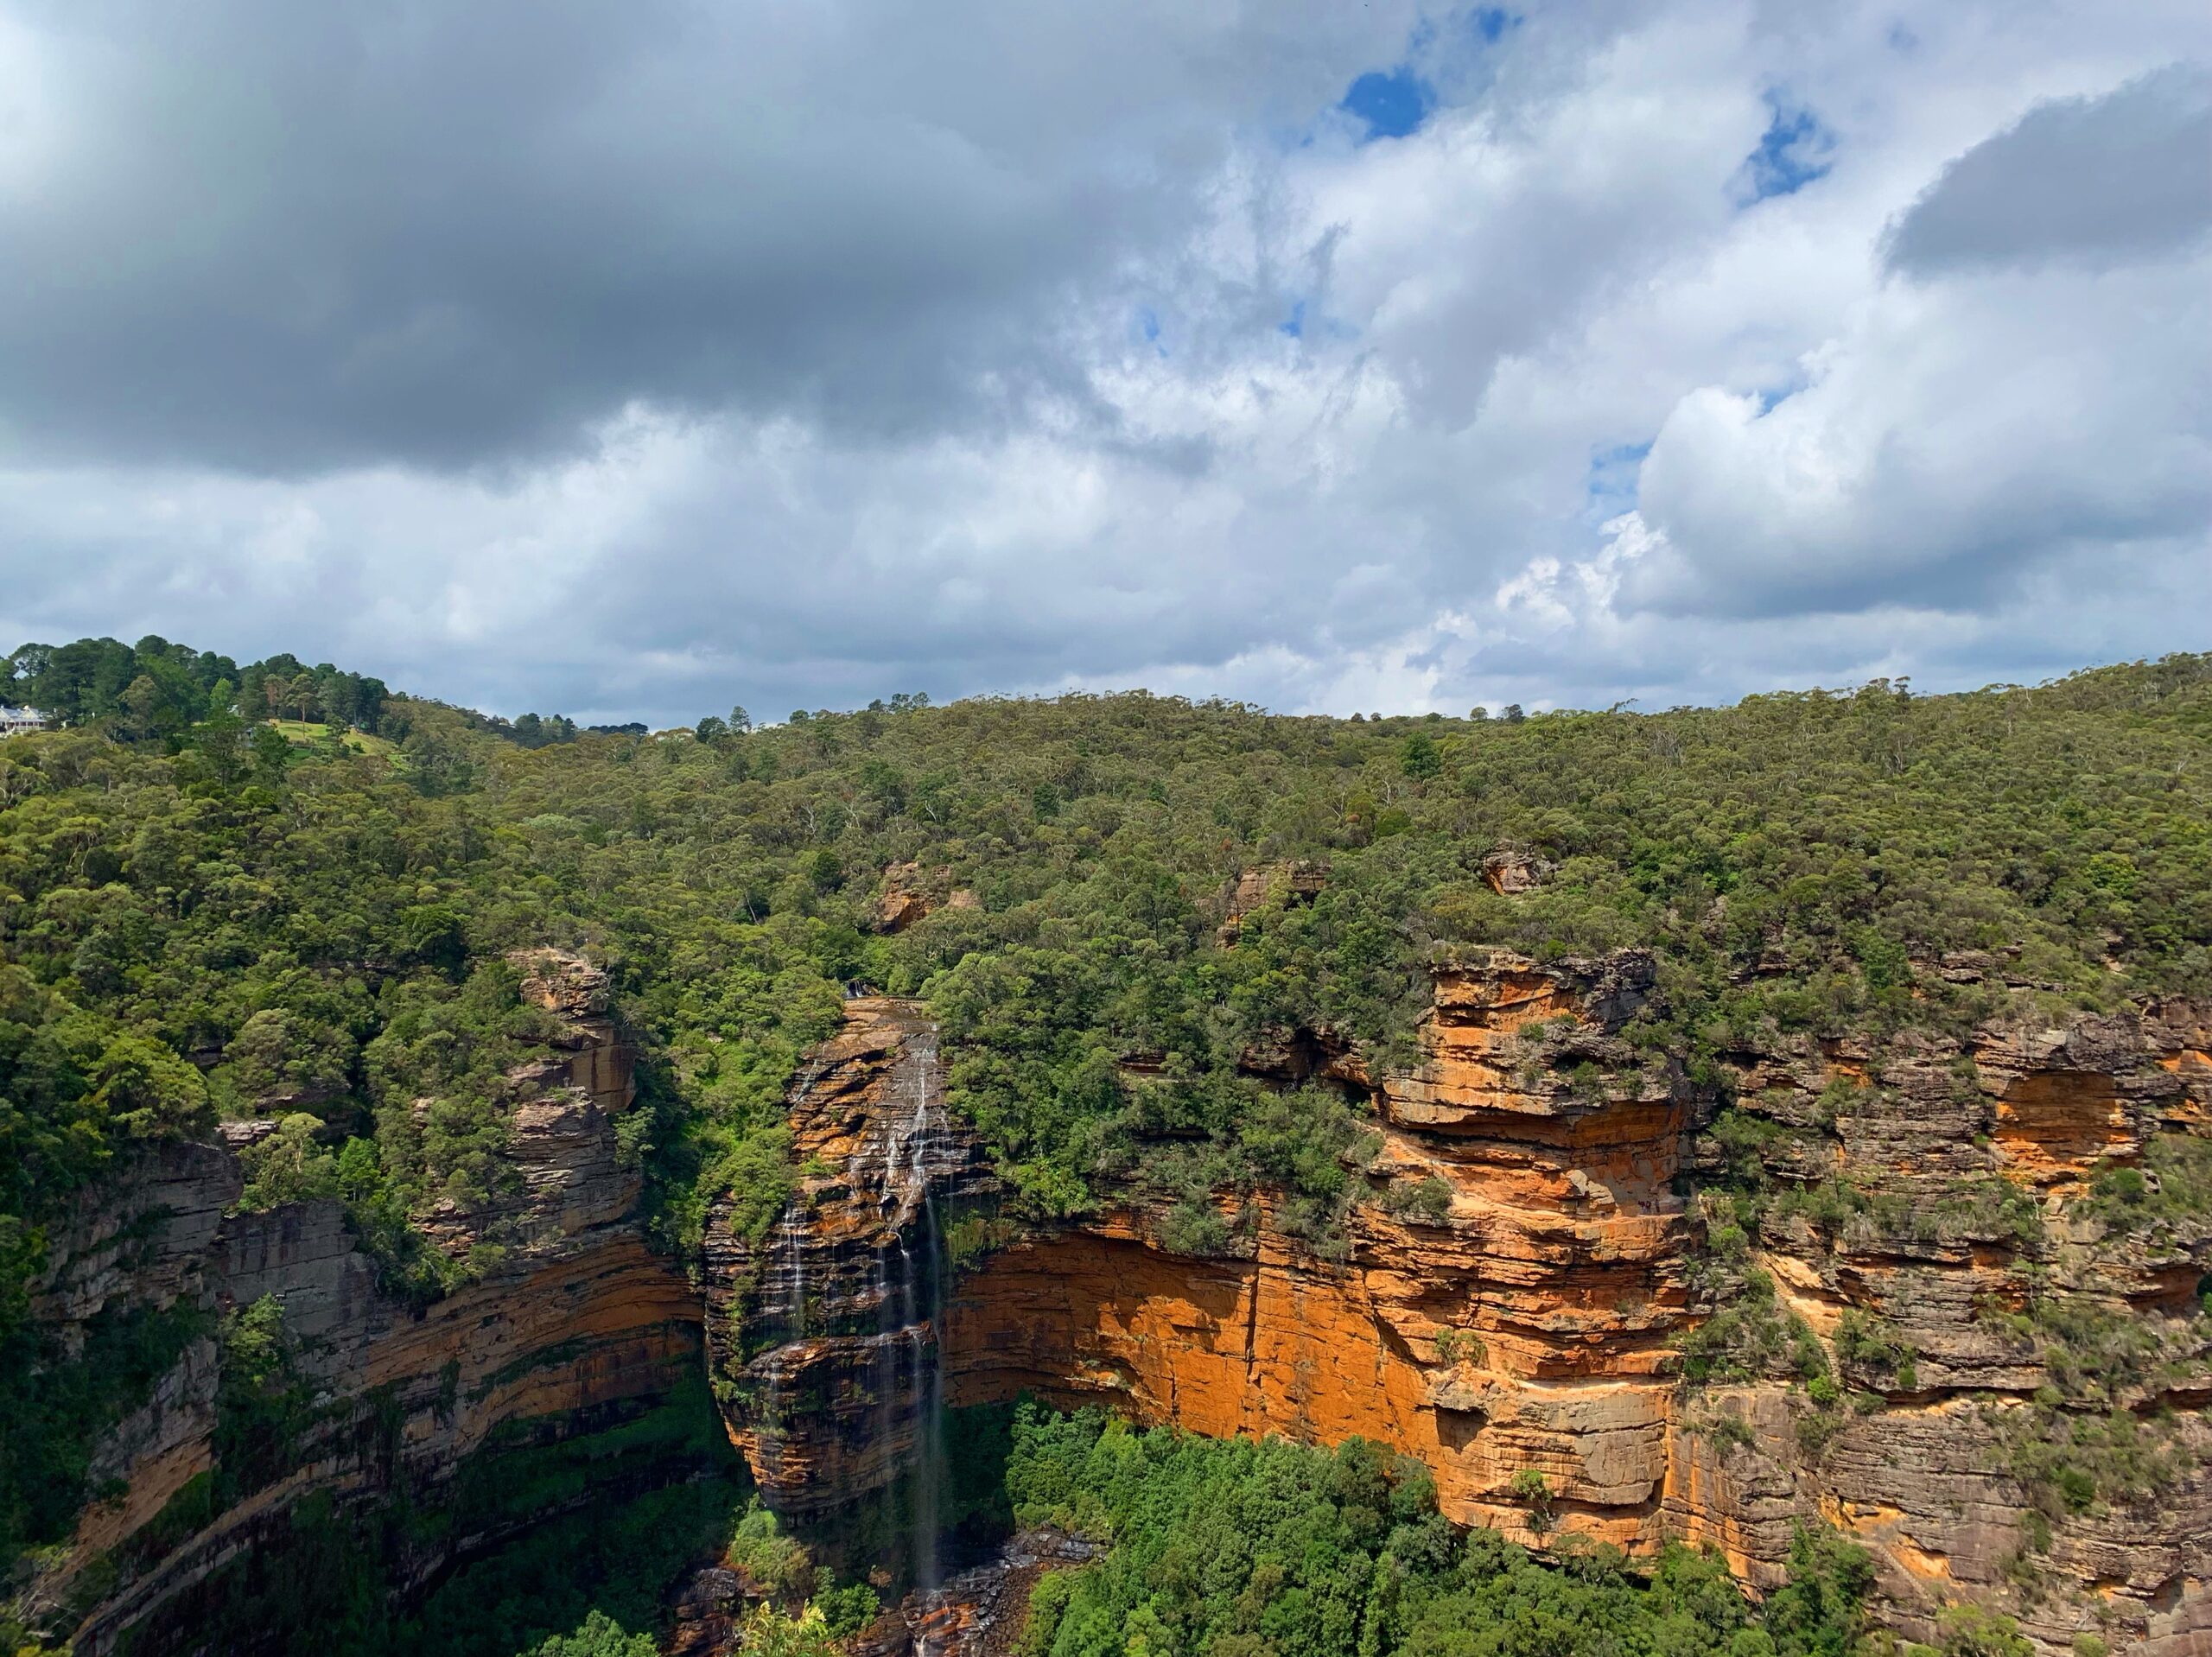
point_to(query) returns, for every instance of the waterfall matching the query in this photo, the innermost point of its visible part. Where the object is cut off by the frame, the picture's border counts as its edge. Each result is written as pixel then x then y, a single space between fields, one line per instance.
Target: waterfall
pixel 929 1403
pixel 786 1298
pixel 794 1307
pixel 903 1187
pixel 790 1315
pixel 879 1320
pixel 885 1378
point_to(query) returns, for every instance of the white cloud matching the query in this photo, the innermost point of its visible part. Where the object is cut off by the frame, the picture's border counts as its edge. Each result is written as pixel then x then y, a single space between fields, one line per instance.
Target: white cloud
pixel 794 359
pixel 1950 438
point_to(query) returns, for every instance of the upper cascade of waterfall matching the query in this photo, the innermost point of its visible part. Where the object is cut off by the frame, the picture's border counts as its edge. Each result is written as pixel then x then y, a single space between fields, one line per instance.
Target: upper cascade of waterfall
pixel 915 1131
pixel 842 1302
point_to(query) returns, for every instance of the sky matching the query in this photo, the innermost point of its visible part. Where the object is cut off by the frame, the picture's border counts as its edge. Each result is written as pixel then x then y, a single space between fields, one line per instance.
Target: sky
pixel 632 362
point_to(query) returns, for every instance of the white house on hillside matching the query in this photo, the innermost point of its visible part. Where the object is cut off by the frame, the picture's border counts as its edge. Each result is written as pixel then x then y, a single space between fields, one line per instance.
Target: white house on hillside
pixel 14 721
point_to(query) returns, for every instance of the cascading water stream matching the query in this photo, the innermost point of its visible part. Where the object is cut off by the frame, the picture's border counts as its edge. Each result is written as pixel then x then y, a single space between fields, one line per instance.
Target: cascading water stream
pixel 929 1405
pixel 909 1144
pixel 790 1323
pixel 788 1307
pixel 905 1189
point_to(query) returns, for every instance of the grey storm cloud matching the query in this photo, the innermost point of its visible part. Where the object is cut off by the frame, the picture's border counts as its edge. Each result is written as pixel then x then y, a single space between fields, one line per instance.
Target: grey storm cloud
pixel 279 237
pixel 2098 180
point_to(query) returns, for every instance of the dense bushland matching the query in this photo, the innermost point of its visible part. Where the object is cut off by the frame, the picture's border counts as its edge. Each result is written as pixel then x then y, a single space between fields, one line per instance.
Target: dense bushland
pixel 203 915
pixel 1243 1550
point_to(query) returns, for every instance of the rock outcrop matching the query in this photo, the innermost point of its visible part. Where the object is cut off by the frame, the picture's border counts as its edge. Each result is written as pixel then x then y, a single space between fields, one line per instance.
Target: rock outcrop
pixel 1293 883
pixel 911 893
pixel 1510 871
pixel 824 1332
pixel 575 1325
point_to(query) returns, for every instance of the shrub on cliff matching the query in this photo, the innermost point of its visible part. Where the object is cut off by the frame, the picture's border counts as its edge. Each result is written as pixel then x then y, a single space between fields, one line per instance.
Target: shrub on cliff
pixel 767 1632
pixel 597 1636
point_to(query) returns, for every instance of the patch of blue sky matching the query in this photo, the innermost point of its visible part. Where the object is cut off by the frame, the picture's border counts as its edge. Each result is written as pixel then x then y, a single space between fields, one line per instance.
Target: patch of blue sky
pixel 1397 102
pixel 1294 324
pixel 1146 323
pixel 1795 149
pixel 1615 474
pixel 1392 102
pixel 1490 22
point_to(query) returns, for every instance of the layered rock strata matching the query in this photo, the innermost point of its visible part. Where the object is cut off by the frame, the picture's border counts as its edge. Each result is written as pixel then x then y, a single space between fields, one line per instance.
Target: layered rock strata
pixel 1994 1324
pixel 577 1323
pixel 1549 1230
pixel 823 1334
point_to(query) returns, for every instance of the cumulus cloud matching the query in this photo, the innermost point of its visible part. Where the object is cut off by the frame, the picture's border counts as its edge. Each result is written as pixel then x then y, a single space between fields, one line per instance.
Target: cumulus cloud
pixel 281 238
pixel 630 362
pixel 1943 443
pixel 2098 180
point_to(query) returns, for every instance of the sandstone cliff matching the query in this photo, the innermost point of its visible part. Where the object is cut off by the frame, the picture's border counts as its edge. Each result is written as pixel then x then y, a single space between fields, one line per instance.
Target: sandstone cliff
pixel 578 1324
pixel 1512 1313
pixel 1902 1289
pixel 1584 1309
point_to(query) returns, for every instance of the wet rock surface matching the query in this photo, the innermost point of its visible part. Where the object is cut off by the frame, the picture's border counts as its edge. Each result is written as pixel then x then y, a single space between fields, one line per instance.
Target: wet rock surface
pixel 980 1611
pixel 824 1335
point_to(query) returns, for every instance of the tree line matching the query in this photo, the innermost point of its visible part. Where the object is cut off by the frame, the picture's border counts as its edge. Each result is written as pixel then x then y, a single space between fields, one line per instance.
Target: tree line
pixel 196 924
pixel 155 691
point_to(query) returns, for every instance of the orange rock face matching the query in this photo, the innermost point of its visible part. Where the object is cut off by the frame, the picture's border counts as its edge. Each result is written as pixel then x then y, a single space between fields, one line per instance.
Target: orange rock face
pixel 1293 1348
pixel 1514 1296
pixel 1518 1319
pixel 1511 873
pixel 911 893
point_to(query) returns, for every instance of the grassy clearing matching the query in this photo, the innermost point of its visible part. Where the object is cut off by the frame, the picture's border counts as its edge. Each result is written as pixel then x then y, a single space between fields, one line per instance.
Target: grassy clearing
pixel 304 733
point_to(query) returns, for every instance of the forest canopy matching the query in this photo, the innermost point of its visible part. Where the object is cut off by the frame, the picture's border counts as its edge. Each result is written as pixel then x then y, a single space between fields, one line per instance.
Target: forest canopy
pixel 1267 1550
pixel 201 920
pixel 282 892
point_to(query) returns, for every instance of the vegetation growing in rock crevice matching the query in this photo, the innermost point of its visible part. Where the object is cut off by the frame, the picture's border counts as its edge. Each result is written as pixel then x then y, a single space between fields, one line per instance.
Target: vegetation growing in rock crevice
pixel 2100 1431
pixel 2168 1199
pixel 264 1406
